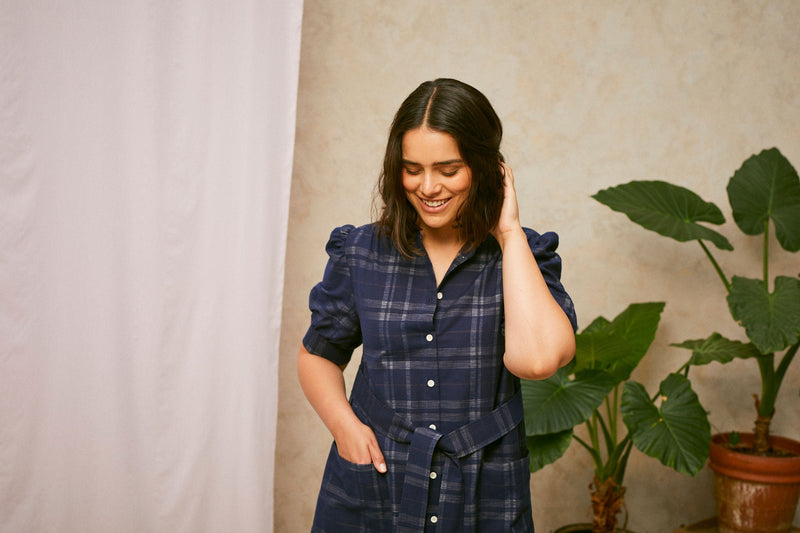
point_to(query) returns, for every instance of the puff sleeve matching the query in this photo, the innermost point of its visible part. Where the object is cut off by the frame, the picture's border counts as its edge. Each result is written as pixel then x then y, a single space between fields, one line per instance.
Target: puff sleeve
pixel 335 329
pixel 544 251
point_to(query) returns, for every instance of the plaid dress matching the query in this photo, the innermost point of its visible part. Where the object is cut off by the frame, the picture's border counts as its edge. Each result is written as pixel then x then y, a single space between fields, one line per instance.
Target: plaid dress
pixel 432 385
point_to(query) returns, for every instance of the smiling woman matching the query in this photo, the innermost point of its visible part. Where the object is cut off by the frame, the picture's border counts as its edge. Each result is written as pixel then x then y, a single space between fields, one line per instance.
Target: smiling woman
pixel 450 123
pixel 437 183
pixel 453 302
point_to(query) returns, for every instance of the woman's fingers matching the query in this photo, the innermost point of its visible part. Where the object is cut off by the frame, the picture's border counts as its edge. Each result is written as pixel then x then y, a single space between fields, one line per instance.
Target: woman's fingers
pixel 377 458
pixel 507 172
pixel 361 447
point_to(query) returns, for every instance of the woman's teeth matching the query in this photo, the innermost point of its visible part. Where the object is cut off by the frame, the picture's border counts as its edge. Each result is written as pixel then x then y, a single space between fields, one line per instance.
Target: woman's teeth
pixel 434 204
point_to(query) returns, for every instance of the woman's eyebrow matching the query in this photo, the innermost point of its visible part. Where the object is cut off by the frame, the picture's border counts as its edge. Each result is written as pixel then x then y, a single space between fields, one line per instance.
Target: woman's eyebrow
pixel 436 164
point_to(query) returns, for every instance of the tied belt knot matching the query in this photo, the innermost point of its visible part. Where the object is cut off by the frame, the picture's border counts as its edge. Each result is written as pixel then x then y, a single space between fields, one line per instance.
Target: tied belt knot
pixel 423 440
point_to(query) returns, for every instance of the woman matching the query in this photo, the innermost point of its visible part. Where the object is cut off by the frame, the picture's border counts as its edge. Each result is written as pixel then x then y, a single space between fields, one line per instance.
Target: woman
pixel 453 302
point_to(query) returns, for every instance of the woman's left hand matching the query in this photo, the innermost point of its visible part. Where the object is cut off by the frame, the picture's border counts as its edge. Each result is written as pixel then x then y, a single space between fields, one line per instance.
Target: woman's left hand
pixel 509 212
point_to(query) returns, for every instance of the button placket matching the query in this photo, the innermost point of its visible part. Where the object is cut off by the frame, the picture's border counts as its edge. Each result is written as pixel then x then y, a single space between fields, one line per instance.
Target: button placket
pixel 431 380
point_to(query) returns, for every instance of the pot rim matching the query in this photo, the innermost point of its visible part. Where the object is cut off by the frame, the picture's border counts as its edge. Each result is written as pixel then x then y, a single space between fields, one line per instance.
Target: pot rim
pixel 779 470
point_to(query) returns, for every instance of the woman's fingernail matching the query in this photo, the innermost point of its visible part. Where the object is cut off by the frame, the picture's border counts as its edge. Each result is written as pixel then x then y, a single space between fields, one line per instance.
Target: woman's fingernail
pixel 382 468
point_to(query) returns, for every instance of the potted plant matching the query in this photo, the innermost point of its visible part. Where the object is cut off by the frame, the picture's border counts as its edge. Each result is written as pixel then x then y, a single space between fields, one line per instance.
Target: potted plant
pixel 763 192
pixel 594 389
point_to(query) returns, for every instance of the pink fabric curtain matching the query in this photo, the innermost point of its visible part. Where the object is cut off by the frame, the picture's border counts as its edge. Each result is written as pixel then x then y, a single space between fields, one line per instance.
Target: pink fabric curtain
pixel 145 162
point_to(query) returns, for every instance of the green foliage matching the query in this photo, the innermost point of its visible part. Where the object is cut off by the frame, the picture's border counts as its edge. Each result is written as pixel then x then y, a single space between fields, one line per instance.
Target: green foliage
pixel 672 432
pixel 718 349
pixel 587 391
pixel 765 189
pixel 771 320
pixel 558 403
pixel 667 209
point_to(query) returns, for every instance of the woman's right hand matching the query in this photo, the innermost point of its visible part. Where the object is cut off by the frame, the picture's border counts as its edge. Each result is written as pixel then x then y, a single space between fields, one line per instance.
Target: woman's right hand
pixel 356 443
pixel 323 384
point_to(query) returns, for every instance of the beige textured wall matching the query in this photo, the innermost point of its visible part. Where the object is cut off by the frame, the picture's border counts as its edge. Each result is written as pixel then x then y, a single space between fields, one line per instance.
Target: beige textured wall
pixel 592 94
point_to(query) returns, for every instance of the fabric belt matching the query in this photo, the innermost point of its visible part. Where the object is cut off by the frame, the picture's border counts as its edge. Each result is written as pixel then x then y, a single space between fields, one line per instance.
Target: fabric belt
pixel 423 441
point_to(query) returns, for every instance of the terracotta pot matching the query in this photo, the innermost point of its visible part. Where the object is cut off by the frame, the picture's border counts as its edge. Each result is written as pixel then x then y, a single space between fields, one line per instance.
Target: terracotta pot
pixel 755 494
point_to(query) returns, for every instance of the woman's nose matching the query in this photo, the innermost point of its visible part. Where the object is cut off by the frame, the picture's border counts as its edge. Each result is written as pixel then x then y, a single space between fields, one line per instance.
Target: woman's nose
pixel 430 184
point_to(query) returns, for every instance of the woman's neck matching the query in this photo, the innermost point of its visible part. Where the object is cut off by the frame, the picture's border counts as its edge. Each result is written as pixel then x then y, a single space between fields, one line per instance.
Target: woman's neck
pixel 442 248
pixel 442 239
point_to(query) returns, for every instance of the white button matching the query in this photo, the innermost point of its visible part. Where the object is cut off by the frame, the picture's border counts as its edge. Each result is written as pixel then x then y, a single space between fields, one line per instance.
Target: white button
pixel 433 475
pixel 434 519
pixel 429 337
pixel 433 427
pixel 431 383
pixel 439 295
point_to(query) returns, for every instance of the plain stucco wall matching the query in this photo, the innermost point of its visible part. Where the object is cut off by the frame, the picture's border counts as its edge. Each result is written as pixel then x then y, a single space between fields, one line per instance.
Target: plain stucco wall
pixel 592 94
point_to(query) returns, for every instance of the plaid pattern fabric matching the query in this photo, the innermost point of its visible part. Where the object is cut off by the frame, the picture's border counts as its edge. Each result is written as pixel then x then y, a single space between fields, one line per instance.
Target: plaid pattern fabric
pixel 434 357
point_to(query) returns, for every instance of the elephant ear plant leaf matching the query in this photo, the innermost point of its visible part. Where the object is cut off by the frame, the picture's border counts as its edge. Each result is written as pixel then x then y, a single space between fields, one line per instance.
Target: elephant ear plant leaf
pixel 764 191
pixel 769 319
pixel 717 348
pixel 587 392
pixel 672 430
pixel 667 209
pixel 766 188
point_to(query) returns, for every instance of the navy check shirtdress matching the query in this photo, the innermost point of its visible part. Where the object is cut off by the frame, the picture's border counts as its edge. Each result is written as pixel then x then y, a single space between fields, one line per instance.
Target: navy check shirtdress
pixel 431 384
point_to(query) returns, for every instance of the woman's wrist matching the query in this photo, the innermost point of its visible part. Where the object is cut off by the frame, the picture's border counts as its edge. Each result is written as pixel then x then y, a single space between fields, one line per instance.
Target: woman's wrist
pixel 505 236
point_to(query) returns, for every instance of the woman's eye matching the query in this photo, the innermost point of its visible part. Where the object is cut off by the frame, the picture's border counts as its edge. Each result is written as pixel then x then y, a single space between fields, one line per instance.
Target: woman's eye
pixel 449 173
pixel 412 171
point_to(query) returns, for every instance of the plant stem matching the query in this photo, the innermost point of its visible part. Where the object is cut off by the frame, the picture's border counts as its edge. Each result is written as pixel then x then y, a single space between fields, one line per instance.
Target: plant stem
pixel 606 434
pixel 594 434
pixel 769 387
pixel 766 254
pixel 598 462
pixel 611 412
pixel 772 379
pixel 786 361
pixel 622 462
pixel 716 266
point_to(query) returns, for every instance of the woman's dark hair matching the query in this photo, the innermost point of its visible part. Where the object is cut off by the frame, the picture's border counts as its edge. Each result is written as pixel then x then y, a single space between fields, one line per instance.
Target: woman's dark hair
pixel 452 107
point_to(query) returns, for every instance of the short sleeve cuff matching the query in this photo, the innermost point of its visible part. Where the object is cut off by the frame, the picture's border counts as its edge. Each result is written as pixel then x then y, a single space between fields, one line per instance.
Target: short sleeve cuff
pixel 318 345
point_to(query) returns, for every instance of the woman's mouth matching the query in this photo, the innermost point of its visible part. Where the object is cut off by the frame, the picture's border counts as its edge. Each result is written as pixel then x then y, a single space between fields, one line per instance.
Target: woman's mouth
pixel 433 206
pixel 434 203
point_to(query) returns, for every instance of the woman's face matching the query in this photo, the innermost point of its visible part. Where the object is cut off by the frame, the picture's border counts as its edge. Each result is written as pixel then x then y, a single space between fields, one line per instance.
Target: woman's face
pixel 435 178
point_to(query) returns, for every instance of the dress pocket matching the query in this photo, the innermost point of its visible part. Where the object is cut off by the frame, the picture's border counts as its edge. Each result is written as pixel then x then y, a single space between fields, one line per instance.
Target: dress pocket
pixel 353 497
pixel 505 496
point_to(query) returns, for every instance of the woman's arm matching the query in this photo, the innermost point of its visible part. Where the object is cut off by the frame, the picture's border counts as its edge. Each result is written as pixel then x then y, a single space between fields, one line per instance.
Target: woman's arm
pixel 323 384
pixel 539 335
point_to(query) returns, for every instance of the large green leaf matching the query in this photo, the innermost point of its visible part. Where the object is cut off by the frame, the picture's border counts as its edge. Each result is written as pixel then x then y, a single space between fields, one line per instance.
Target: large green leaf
pixel 597 350
pixel 546 449
pixel 619 345
pixel 771 321
pixel 718 349
pixel 767 187
pixel 637 324
pixel 598 324
pixel 677 432
pixel 667 209
pixel 558 403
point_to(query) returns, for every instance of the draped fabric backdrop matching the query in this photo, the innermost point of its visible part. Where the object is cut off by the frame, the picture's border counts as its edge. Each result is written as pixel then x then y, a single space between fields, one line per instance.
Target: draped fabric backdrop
pixel 145 152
